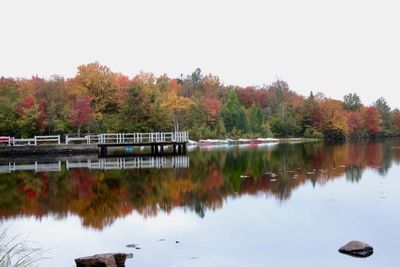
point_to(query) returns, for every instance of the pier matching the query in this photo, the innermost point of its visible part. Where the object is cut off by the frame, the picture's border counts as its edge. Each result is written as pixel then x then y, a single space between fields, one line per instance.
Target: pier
pixel 154 144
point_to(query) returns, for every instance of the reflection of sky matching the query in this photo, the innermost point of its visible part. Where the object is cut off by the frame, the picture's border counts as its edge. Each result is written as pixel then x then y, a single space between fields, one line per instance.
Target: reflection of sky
pixel 305 230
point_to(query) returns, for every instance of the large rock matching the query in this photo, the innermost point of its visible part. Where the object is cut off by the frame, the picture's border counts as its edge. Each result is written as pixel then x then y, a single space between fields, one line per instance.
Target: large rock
pixel 102 260
pixel 357 249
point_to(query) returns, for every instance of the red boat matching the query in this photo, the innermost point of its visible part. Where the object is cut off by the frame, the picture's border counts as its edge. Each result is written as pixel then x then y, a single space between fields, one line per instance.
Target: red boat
pixel 6 140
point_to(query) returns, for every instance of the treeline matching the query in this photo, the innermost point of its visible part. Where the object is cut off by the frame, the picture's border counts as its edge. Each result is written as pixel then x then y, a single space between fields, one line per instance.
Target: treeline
pixel 99 100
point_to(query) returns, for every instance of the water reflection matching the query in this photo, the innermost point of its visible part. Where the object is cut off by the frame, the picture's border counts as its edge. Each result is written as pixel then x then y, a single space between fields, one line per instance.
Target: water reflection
pixel 101 190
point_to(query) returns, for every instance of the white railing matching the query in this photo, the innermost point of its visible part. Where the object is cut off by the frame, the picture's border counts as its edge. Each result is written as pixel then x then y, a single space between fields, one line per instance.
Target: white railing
pixel 48 139
pixel 121 138
pixel 24 142
pixel 37 139
pixel 131 163
pixel 104 138
pixel 37 167
pixel 69 140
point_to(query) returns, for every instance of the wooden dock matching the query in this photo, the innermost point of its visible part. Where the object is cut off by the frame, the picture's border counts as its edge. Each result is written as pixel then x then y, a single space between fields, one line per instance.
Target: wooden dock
pixel 160 143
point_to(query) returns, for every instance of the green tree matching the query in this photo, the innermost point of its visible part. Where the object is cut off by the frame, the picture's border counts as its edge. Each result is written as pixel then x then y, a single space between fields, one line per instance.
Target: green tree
pixel 352 102
pixel 385 112
pixel 133 113
pixel 266 130
pixel 8 100
pixel 234 115
pixel 220 130
pixel 255 119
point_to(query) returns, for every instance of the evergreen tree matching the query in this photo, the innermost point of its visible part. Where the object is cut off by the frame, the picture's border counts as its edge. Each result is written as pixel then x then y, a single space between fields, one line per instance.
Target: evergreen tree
pixel 234 115
pixel 255 119
pixel 385 112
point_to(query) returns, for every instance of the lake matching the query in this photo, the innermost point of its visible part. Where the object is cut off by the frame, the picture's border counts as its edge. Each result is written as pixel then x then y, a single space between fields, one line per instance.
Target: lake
pixel 268 205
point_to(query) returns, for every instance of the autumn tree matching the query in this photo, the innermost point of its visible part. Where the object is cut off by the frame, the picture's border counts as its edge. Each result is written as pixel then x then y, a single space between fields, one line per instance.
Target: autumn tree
pixel 396 121
pixel 334 126
pixel 28 117
pixel 355 124
pixel 81 112
pixel 53 106
pixel 100 83
pixel 175 103
pixel 372 120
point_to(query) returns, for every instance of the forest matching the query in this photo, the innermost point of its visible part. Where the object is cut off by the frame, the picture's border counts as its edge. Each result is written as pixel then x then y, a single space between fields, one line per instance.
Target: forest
pixel 98 100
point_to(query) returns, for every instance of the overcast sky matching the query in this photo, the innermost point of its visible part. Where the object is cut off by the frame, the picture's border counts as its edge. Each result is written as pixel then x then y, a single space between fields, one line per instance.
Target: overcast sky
pixel 334 47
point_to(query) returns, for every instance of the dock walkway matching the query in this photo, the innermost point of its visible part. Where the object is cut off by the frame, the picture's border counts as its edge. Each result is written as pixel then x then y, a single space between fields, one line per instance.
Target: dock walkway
pixel 158 143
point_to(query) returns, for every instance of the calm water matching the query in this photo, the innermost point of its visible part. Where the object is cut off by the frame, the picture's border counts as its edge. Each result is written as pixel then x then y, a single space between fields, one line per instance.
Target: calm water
pixel 275 205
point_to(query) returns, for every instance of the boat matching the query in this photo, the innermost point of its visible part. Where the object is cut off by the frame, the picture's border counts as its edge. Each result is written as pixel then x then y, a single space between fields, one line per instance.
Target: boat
pixel 192 143
pixel 214 142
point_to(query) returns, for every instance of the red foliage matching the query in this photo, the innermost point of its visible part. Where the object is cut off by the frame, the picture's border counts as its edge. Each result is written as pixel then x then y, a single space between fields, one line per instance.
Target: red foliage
pixel 43 116
pixel 396 121
pixel 355 123
pixel 83 184
pixel 251 95
pixel 372 120
pixel 212 105
pixel 81 111
pixel 26 103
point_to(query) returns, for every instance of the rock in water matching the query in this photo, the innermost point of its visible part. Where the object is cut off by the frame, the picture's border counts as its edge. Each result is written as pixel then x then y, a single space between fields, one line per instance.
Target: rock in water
pixel 102 260
pixel 357 249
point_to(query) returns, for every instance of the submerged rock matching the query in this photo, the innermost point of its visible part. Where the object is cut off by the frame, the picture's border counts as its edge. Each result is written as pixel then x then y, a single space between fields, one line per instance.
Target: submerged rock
pixel 102 260
pixel 357 249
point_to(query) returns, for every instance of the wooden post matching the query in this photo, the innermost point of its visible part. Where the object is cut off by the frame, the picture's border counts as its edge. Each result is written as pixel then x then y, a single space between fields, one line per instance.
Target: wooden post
pixel 174 149
pixel 103 151
pixel 180 149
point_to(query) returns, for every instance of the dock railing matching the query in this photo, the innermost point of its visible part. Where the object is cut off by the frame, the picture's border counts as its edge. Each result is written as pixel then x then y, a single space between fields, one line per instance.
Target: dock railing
pixel 48 139
pixel 103 138
pixel 121 138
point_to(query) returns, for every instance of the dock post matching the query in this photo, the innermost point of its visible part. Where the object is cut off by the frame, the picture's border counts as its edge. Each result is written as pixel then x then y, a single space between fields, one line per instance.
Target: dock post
pixel 103 151
pixel 179 149
pixel 174 149
pixel 184 149
pixel 152 150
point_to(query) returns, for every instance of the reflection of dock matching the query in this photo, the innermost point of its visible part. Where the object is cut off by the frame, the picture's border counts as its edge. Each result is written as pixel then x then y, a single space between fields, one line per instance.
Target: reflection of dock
pixel 36 167
pixel 132 163
pixel 99 164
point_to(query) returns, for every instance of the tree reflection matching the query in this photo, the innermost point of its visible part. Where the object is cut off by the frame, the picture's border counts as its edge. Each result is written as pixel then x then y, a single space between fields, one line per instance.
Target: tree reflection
pixel 100 197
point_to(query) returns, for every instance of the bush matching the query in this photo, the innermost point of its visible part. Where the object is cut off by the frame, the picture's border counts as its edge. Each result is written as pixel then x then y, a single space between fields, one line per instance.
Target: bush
pixel 312 133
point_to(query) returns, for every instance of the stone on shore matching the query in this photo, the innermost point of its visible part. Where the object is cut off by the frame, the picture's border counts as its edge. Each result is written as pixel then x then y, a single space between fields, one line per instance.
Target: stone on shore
pixel 102 260
pixel 357 249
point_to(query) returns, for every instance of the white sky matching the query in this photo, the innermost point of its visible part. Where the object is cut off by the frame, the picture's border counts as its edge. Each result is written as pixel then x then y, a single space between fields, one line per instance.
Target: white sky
pixel 334 47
